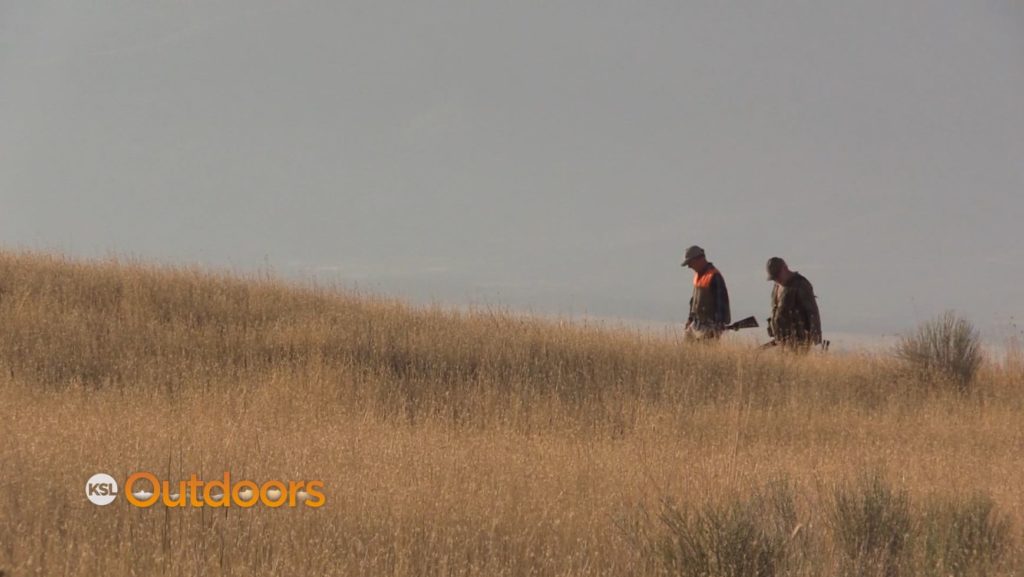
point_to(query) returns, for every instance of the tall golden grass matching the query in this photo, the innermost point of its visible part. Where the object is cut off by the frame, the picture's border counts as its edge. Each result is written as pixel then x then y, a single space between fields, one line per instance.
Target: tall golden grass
pixel 455 442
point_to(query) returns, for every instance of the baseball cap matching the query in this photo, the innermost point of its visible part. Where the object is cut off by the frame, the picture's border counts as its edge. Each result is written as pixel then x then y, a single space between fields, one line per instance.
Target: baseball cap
pixel 692 253
pixel 774 267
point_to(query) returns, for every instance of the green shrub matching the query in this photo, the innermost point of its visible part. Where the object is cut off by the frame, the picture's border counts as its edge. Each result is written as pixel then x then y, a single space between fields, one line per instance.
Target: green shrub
pixel 946 347
pixel 964 538
pixel 871 524
pixel 737 538
pixel 871 529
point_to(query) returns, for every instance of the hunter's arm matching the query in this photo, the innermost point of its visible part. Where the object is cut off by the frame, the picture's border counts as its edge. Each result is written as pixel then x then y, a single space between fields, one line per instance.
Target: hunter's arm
pixel 722 313
pixel 810 304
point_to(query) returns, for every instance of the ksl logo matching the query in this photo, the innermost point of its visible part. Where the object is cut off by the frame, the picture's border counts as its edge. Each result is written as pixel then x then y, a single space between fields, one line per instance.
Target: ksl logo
pixel 101 489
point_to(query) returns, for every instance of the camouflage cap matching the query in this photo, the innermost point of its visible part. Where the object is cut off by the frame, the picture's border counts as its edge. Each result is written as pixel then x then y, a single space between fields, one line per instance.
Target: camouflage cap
pixel 774 267
pixel 692 253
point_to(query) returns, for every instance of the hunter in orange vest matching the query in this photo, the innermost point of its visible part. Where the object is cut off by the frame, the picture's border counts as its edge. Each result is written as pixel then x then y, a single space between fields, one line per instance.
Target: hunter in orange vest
pixel 709 305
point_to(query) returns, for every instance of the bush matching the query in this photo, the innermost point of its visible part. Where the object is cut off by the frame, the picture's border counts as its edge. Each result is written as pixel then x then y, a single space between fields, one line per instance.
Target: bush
pixel 738 538
pixel 871 524
pixel 965 538
pixel 948 346
pixel 873 530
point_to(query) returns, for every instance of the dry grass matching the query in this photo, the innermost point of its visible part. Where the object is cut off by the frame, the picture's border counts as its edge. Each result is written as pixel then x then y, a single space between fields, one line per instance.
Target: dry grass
pixel 473 443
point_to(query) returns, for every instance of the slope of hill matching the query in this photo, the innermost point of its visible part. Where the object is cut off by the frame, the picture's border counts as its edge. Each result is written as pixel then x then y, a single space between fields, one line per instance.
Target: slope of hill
pixel 469 443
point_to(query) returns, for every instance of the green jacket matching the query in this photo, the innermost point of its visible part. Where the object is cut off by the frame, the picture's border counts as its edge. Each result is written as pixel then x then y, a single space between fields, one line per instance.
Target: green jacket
pixel 795 318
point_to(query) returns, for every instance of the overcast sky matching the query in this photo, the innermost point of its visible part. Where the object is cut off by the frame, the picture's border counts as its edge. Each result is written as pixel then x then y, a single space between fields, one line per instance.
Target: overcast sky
pixel 554 157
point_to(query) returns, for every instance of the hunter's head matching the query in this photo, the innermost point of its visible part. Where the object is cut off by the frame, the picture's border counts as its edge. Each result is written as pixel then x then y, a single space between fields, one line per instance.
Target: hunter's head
pixel 777 269
pixel 694 258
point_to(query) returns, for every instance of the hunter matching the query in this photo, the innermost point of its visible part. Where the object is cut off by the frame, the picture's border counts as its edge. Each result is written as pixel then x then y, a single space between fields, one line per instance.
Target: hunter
pixel 709 305
pixel 795 322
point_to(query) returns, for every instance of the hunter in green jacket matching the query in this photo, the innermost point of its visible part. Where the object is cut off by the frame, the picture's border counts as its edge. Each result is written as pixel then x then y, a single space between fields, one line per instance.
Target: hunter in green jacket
pixel 795 320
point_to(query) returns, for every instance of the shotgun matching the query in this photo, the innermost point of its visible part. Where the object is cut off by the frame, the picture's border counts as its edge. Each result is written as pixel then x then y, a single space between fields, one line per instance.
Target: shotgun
pixel 747 323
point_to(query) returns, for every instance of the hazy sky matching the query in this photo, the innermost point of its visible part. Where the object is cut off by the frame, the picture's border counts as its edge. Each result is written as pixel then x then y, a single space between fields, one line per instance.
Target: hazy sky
pixel 549 156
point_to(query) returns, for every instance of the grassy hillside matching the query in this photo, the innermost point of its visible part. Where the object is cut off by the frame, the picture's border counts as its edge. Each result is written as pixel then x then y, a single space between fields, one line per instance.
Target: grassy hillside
pixel 475 443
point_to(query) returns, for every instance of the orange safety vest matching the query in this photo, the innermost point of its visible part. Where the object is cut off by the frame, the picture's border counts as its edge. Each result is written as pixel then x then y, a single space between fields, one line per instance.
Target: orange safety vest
pixel 702 305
